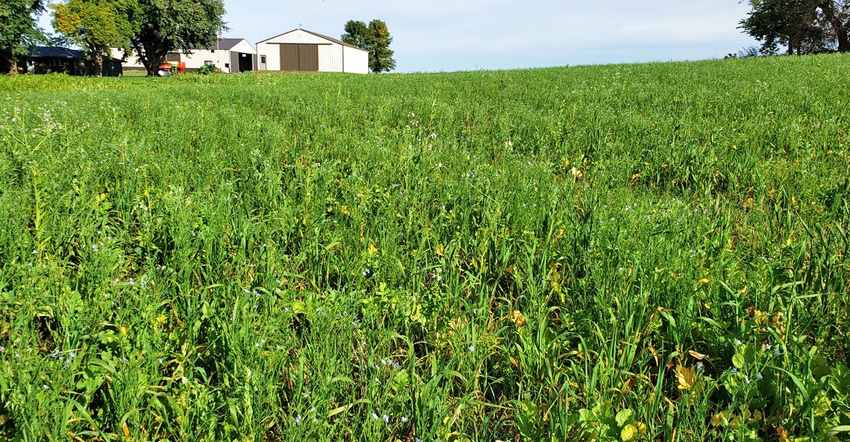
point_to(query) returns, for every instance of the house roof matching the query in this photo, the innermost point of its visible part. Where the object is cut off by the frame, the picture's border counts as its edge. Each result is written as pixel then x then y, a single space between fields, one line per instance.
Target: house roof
pixel 340 42
pixel 55 52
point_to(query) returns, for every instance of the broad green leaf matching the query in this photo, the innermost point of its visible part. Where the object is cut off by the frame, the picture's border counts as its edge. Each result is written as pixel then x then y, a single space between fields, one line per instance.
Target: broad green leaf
pixel 624 416
pixel 738 360
pixel 820 366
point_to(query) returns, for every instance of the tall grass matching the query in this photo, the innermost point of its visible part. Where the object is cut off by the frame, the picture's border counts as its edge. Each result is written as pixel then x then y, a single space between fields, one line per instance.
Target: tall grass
pixel 632 252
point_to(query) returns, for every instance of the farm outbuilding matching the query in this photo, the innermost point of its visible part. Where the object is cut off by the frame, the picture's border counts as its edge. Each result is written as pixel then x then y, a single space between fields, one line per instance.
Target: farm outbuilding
pixel 303 50
pixel 230 55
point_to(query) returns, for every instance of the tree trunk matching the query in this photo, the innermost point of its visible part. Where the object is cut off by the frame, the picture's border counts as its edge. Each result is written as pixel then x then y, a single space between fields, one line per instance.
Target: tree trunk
pixel 841 29
pixel 98 64
pixel 843 42
pixel 13 67
pixel 145 59
pixel 153 62
pixel 155 59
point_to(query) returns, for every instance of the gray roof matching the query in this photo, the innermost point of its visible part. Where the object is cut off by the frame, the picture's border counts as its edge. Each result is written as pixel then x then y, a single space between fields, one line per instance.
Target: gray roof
pixel 226 44
pixel 53 52
pixel 56 52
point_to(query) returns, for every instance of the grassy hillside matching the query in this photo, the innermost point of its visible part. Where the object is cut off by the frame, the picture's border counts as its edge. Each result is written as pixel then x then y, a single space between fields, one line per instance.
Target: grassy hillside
pixel 625 252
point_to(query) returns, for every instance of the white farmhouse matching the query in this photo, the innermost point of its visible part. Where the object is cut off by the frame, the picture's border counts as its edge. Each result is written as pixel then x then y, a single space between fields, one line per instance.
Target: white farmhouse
pixel 302 50
pixel 230 55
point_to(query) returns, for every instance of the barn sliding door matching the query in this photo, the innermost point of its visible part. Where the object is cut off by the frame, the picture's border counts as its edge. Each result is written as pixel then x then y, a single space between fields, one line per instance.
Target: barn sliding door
pixel 299 57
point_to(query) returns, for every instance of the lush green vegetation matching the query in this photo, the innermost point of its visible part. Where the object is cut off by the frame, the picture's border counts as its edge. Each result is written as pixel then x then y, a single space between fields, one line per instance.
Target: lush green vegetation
pixel 631 252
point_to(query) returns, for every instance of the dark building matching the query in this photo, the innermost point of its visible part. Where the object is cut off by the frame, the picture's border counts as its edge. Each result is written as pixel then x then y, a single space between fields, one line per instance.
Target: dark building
pixel 47 60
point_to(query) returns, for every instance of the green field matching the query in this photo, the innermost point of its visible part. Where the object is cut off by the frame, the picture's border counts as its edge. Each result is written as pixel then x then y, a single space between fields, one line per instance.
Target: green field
pixel 624 252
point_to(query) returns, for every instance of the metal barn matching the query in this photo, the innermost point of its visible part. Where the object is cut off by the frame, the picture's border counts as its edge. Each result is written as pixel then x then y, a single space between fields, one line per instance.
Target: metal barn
pixel 306 51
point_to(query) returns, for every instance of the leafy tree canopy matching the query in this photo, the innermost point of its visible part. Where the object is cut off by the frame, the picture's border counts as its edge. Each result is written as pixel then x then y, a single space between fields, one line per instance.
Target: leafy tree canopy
pixel 380 55
pixel 18 29
pixel 803 26
pixel 375 39
pixel 97 26
pixel 167 25
pixel 356 33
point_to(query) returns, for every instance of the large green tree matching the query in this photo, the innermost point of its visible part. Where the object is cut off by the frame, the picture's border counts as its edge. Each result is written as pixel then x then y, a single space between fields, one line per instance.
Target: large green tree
pixel 168 25
pixel 375 39
pixel 803 26
pixel 17 30
pixel 378 41
pixel 356 33
pixel 97 25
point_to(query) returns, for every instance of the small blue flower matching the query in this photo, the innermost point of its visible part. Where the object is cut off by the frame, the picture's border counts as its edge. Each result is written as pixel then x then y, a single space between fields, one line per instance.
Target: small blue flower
pixel 297 419
pixel 375 416
pixel 472 348
pixel 386 419
pixel 776 351
pixel 699 366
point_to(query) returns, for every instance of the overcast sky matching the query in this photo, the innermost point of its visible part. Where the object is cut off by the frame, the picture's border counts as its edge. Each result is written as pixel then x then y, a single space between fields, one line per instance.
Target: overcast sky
pixel 452 35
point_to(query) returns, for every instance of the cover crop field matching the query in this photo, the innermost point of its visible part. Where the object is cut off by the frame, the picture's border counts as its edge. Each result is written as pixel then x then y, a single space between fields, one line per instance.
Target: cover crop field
pixel 624 252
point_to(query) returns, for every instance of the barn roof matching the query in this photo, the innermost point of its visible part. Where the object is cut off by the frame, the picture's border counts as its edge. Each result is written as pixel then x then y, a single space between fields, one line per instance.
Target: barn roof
pixel 337 41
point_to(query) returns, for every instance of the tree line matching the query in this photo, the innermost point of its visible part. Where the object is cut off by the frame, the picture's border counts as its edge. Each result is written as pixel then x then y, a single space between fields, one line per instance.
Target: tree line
pixel 375 39
pixel 148 29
